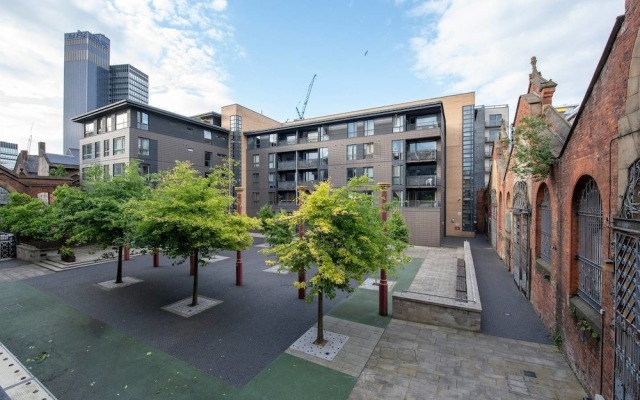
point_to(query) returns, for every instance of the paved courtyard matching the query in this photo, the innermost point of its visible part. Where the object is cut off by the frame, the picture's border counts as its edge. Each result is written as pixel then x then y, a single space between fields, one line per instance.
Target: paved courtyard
pixel 84 341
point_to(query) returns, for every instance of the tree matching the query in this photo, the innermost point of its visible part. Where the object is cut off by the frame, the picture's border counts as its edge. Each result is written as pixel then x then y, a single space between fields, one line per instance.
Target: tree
pixel 59 170
pixel 344 238
pixel 187 214
pixel 397 229
pixel 532 149
pixel 27 216
pixel 276 231
pixel 95 212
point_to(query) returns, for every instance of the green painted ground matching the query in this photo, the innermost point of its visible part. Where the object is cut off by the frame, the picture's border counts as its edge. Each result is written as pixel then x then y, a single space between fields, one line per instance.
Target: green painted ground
pixel 78 357
pixel 362 305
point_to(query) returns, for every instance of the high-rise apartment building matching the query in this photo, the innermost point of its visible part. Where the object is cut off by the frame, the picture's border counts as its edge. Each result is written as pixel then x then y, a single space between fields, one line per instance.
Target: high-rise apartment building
pixel 128 83
pixel 86 80
pixel 8 154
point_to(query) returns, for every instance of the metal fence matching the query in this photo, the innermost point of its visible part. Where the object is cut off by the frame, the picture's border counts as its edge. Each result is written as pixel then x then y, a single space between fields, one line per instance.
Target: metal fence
pixel 7 245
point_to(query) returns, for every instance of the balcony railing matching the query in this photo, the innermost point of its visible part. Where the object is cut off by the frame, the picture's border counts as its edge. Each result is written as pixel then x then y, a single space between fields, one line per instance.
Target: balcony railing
pixel 308 163
pixel 415 127
pixel 422 155
pixel 287 185
pixel 422 180
pixel 423 203
pixel 286 165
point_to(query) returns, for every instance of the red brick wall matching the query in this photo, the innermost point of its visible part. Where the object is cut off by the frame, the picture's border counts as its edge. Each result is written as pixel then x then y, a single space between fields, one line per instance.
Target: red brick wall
pixel 31 185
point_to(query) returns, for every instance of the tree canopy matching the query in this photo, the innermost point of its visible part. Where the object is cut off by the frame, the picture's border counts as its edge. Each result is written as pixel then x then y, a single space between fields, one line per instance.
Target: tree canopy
pixel 532 149
pixel 188 214
pixel 344 237
pixel 27 216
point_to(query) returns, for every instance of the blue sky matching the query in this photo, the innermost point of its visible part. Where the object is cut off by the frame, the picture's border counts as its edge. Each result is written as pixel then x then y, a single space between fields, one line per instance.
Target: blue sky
pixel 201 55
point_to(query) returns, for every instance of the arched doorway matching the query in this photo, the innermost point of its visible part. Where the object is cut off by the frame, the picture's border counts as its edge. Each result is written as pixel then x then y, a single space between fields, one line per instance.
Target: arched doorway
pixel 520 240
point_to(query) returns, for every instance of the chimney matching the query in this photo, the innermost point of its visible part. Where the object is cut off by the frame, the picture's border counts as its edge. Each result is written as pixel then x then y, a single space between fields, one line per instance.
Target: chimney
pixel 41 149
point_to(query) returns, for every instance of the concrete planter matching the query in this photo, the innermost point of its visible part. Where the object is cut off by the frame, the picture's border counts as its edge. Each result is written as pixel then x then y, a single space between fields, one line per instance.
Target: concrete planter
pixel 29 253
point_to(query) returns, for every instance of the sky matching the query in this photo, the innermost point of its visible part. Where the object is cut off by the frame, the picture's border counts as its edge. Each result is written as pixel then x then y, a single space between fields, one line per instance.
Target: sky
pixel 203 54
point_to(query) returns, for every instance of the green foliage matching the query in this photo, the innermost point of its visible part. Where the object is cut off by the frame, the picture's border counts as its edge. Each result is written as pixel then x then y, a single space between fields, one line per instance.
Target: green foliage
pixel 27 216
pixel 397 228
pixel 344 238
pixel 584 326
pixel 276 230
pixel 65 251
pixel 532 150
pixel 58 171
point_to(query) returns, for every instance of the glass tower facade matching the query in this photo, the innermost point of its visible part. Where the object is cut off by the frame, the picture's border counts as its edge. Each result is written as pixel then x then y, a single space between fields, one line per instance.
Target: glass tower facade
pixel 8 154
pixel 128 82
pixel 86 80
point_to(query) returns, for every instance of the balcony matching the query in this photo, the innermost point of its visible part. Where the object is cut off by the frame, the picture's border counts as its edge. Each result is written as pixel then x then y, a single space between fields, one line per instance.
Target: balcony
pixel 419 127
pixel 422 180
pixel 423 203
pixel 284 165
pixel 422 155
pixel 306 164
pixel 287 185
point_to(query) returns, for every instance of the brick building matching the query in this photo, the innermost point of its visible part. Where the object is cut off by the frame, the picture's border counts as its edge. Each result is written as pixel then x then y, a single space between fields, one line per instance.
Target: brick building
pixel 572 241
pixel 35 186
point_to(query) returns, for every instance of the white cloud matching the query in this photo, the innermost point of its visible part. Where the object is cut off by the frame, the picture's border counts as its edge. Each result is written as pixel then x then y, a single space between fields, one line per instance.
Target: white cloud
pixel 471 46
pixel 179 44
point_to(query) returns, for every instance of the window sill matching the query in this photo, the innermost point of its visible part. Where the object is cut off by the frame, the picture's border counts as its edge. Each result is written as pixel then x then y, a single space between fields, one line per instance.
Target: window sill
pixel 588 313
pixel 543 267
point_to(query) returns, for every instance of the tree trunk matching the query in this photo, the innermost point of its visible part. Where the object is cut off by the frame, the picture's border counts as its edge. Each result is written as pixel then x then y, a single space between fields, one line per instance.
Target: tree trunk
pixel 119 274
pixel 194 301
pixel 320 338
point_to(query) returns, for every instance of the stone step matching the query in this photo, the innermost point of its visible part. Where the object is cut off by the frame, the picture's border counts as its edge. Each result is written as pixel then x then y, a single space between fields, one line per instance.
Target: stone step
pixel 57 266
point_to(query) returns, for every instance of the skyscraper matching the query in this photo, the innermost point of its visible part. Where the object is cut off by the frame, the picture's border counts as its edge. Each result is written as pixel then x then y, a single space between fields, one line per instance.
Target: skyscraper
pixel 8 154
pixel 128 83
pixel 86 80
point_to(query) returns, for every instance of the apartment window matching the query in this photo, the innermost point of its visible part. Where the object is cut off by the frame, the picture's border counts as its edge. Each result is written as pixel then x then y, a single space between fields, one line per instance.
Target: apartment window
pixel 323 134
pixel 368 172
pixel 427 121
pixel 111 123
pixel 272 160
pixel 369 149
pixel 118 145
pixel 398 123
pixel 323 175
pixel 208 159
pixel 255 197
pixel 256 160
pixel 85 171
pixel 398 197
pixel 495 119
pixel 272 180
pixel 143 169
pixel 256 178
pixel 207 136
pixel 105 170
pixel 272 197
pixel 96 150
pixel 118 169
pixel 351 173
pixel 89 129
pixel 494 134
pixel 324 156
pixel 122 120
pixel 251 143
pixel 351 152
pixel 87 151
pixel 397 148
pixel 143 121
pixel 351 130
pixel 105 147
pixel 143 146
pixel 397 174
pixel 369 127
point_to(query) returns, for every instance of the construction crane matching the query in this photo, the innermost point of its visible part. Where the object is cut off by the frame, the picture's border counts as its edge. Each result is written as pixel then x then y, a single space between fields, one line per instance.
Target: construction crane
pixel 306 99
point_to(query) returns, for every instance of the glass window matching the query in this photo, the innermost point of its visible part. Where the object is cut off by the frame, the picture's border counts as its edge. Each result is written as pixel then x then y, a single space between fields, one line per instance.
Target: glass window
pixel 494 134
pixel 495 119
pixel 105 145
pixel 323 134
pixel 118 145
pixel 143 169
pixel 369 127
pixel 272 197
pixel 256 178
pixel 251 143
pixel 368 172
pixel 398 197
pixel 111 123
pixel 351 152
pixel 397 172
pixel 427 121
pixel 87 151
pixel 122 120
pixel 397 148
pixel 143 146
pixel 369 149
pixel 143 121
pixel 207 136
pixel 89 129
pixel 272 180
pixel 323 175
pixel 255 197
pixel 351 172
pixel 118 169
pixel 273 139
pixel 208 159
pixel 272 160
pixel 324 156
pixel 96 150
pixel 398 123
pixel 351 130
pixel 256 160
pixel 105 170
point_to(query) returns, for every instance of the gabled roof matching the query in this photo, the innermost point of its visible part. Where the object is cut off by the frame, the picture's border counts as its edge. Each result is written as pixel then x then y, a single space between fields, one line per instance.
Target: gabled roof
pixel 596 75
pixel 64 160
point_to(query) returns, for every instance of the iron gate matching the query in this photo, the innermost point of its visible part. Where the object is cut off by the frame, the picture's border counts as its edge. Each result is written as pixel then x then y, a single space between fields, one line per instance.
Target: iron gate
pixel 494 219
pixel 590 242
pixel 520 246
pixel 7 245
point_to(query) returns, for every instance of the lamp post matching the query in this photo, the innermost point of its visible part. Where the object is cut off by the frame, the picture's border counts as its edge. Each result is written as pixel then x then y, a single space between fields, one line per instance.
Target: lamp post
pixel 383 289
pixel 239 191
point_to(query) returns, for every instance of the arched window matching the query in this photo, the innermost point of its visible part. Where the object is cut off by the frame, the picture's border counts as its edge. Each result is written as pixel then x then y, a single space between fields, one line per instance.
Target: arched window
pixel 590 244
pixel 544 208
pixel 4 196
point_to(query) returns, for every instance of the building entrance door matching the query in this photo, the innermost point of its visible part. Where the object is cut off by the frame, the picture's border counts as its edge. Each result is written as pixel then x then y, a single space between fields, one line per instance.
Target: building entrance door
pixel 520 247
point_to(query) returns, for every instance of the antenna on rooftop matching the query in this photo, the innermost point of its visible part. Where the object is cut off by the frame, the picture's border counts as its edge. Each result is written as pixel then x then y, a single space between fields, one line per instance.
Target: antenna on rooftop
pixel 30 137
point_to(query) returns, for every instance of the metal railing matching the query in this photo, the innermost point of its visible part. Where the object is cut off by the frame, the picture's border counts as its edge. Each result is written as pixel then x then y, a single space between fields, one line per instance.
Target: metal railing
pixel 423 203
pixel 287 185
pixel 7 245
pixel 422 180
pixel 286 165
pixel 422 155
pixel 308 163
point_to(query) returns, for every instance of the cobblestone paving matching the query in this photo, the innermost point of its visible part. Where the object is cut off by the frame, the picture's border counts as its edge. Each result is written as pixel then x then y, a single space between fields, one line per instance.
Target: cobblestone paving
pixel 417 361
